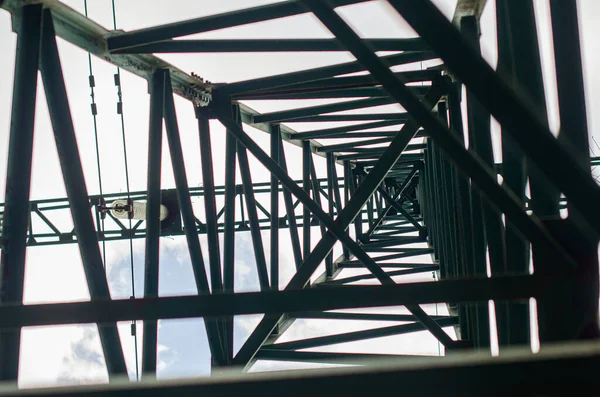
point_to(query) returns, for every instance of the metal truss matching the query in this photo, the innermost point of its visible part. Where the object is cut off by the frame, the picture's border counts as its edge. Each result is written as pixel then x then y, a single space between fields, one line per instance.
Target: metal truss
pixel 428 187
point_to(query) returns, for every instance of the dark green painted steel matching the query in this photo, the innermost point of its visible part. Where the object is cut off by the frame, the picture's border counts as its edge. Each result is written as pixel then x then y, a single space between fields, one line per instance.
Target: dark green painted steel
pixel 266 45
pixel 274 225
pixel 273 302
pixel 211 22
pixel 433 191
pixel 512 109
pixel 289 207
pixel 183 197
pixel 257 244
pixel 18 181
pixel 68 154
pixel 151 268
pixel 459 376
pixel 356 336
pixel 287 79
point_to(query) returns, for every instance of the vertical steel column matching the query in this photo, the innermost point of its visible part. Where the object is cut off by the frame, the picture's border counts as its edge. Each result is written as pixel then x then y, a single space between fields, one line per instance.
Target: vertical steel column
pixel 306 159
pixel 336 187
pixel 479 329
pixel 229 226
pixel 351 180
pixel 514 176
pixel 486 221
pixel 257 244
pixel 157 95
pixel 347 196
pixel 18 181
pixel 455 244
pixel 370 219
pixel 291 214
pixel 229 222
pixel 518 21
pixel 330 192
pixel 210 205
pixel 275 131
pixel 569 77
pixel 571 311
pixel 68 154
pixel 212 234
pixel 187 214
pixel 329 265
pixel 573 120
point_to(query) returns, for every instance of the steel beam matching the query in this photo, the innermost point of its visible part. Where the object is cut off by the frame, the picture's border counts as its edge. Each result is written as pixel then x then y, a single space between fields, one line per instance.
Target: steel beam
pixel 274 302
pixel 274 225
pixel 18 181
pixel 357 335
pixel 152 248
pixel 553 372
pixel 185 203
pixel 68 154
pixel 289 207
pixel 287 79
pixel 209 23
pixel 264 45
pixel 333 358
pixel 257 244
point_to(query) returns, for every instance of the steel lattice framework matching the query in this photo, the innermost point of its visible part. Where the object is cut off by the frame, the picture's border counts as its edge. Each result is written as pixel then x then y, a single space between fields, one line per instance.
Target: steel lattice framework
pixel 430 184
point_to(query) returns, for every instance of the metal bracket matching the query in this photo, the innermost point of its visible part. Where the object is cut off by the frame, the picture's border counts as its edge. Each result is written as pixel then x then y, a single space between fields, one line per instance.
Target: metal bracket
pixel 200 95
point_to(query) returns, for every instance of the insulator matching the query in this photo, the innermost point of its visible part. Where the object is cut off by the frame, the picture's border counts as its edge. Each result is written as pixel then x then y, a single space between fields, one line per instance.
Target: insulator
pixel 120 210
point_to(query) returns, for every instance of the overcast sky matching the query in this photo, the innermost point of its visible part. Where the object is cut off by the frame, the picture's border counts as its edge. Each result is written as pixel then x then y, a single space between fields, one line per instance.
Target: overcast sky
pixel 54 274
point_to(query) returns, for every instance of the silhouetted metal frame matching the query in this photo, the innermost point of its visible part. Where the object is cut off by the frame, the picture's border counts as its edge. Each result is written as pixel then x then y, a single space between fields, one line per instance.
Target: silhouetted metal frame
pixel 213 326
pixel 513 109
pixel 343 220
pixel 68 154
pixel 18 180
pixel 152 248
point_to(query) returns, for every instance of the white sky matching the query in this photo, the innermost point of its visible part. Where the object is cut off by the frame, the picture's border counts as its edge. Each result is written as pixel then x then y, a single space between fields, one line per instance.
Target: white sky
pixel 72 353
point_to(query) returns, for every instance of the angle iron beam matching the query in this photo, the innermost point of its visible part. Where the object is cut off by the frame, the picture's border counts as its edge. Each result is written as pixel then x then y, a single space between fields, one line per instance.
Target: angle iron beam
pixel 274 225
pixel 209 23
pixel 213 330
pixel 356 335
pixel 257 243
pixel 152 251
pixel 289 207
pixel 68 154
pixel 333 358
pixel 275 302
pixel 324 72
pixel 264 45
pixel 18 181
pixel 462 375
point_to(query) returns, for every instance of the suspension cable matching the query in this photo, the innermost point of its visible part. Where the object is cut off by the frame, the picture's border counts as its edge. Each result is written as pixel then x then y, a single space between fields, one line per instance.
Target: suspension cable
pixel 117 80
pixel 94 110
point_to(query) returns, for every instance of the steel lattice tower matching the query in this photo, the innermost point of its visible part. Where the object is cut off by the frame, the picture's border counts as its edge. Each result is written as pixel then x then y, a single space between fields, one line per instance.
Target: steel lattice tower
pixel 430 186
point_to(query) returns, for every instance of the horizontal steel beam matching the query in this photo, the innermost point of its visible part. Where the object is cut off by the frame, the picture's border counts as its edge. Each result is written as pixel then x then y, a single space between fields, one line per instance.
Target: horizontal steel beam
pixel 556 370
pixel 102 311
pixel 334 358
pixel 266 45
pixel 211 22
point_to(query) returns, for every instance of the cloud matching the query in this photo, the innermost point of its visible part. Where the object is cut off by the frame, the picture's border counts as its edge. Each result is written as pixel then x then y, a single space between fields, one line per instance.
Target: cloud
pixel 85 364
